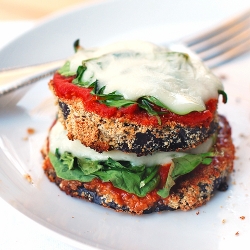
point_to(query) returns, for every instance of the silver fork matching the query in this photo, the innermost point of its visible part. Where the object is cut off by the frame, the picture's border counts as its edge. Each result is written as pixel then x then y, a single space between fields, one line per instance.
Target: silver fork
pixel 215 47
pixel 224 43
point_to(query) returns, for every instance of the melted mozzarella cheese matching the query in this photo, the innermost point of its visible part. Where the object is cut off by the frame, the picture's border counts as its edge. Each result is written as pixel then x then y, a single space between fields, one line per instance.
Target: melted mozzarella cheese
pixel 58 139
pixel 135 69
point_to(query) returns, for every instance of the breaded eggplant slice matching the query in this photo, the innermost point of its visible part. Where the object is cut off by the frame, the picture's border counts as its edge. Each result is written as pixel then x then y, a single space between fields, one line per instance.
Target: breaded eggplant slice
pixel 105 134
pixel 191 190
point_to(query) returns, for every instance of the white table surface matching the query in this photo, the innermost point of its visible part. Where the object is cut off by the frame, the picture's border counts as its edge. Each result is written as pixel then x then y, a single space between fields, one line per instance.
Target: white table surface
pixel 16 230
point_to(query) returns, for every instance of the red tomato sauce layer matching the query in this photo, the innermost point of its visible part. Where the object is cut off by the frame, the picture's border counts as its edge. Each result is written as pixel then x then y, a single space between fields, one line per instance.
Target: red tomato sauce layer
pixel 65 89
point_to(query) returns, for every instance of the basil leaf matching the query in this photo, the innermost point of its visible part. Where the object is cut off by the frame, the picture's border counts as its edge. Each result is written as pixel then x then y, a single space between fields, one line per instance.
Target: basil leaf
pixel 65 70
pixel 94 85
pixel 149 177
pixel 113 96
pixel 180 54
pixel 164 192
pixel 88 166
pixel 68 160
pixel 76 45
pixel 154 100
pixel 101 90
pixel 183 165
pixel 224 95
pixel 62 171
pixel 110 163
pixel 79 73
pixel 112 99
pixel 124 180
pixel 130 181
pixel 158 103
pixel 144 104
pixel 130 178
pixel 118 103
pixel 187 163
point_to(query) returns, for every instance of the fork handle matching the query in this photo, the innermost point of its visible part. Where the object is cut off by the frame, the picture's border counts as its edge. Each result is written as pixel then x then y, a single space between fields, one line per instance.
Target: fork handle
pixel 15 77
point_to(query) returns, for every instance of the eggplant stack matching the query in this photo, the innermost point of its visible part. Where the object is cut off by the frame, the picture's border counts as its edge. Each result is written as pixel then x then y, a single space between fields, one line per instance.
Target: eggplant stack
pixel 137 129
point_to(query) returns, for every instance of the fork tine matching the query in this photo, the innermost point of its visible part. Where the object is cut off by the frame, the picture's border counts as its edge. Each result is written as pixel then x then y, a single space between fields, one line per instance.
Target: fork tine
pixel 231 33
pixel 224 43
pixel 217 31
pixel 229 55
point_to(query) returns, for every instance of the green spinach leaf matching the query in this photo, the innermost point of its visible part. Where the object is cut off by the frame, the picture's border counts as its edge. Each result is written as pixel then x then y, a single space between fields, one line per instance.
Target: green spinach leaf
pixel 79 73
pixel 138 180
pixel 65 70
pixel 181 166
pixel 65 173
pixel 224 95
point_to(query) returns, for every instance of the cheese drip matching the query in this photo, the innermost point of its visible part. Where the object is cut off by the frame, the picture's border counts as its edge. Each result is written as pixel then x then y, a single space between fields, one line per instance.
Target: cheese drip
pixel 58 139
pixel 135 69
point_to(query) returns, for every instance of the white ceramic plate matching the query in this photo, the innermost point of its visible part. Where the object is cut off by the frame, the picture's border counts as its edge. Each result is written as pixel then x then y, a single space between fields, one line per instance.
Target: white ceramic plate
pixel 213 226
